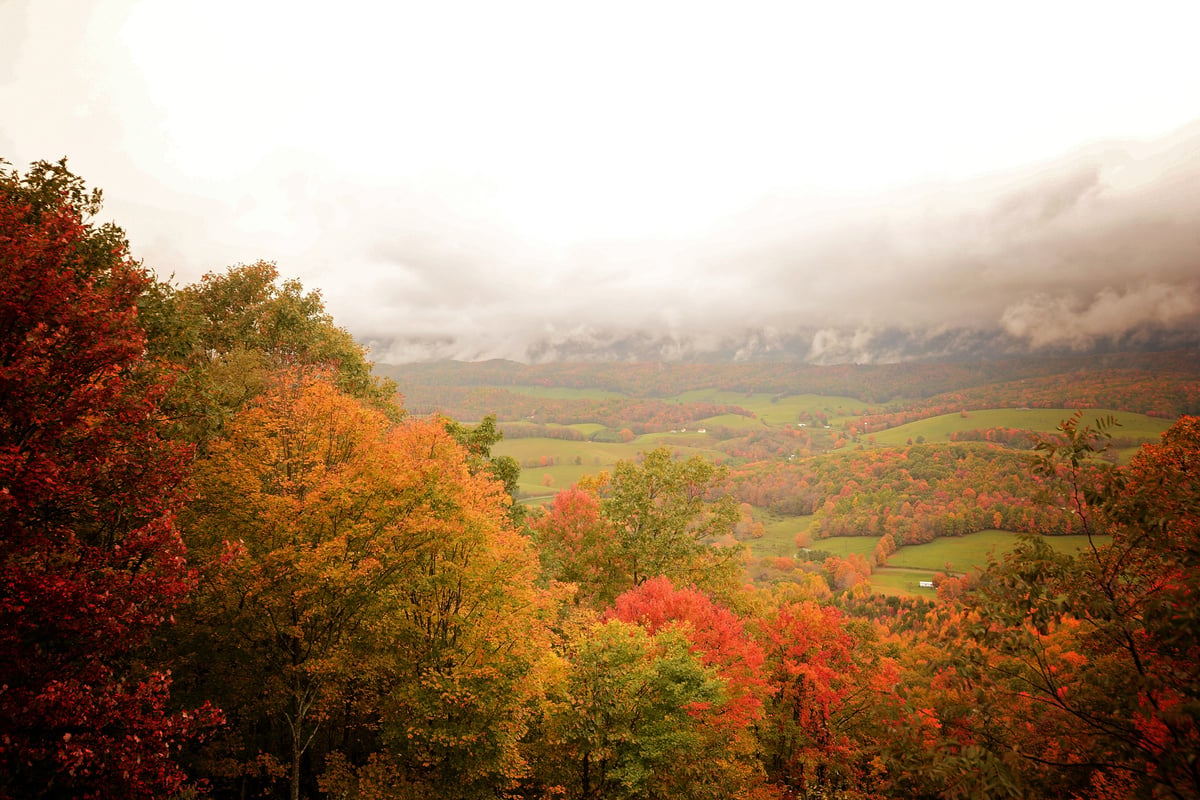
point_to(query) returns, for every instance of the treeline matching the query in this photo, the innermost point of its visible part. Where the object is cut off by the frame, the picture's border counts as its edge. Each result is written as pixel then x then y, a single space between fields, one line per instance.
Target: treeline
pixel 529 430
pixel 641 415
pixel 777 444
pixel 1162 384
pixel 231 565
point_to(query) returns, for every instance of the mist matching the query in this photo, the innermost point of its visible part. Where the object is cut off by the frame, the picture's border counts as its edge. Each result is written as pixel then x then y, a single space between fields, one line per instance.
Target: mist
pixel 789 181
pixel 1094 250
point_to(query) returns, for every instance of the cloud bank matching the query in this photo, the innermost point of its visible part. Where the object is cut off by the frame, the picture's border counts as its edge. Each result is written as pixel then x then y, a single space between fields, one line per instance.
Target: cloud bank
pixel 1098 249
pixel 473 180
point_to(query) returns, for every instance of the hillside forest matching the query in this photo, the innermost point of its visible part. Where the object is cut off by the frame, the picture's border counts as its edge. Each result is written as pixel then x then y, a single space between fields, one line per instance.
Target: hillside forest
pixel 238 561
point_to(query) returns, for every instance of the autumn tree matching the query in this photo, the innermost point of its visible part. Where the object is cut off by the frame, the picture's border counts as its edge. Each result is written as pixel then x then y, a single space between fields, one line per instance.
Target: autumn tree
pixel 666 523
pixel 362 586
pixel 229 332
pixel 627 719
pixel 577 545
pixel 469 633
pixel 90 559
pixel 824 682
pixel 716 633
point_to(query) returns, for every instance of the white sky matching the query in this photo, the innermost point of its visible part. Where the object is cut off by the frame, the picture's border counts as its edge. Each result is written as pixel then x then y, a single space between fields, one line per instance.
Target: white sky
pixel 484 174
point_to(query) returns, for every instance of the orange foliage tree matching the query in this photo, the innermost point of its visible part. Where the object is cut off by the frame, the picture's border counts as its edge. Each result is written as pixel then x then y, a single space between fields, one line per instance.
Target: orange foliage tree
pixel 359 576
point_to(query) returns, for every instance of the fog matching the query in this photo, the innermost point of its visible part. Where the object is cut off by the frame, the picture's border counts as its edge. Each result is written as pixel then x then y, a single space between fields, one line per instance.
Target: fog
pixel 539 182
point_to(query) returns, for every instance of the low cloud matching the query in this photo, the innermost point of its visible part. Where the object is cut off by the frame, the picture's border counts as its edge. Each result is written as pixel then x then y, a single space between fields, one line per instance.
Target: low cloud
pixel 1097 249
pixel 1112 315
pixel 531 202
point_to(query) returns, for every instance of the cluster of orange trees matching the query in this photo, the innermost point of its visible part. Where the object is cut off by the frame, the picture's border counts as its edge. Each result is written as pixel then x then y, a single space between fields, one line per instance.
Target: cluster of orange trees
pixel 231 564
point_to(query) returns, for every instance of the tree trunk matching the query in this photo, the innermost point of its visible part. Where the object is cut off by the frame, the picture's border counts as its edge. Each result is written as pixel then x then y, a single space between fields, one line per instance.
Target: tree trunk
pixel 295 795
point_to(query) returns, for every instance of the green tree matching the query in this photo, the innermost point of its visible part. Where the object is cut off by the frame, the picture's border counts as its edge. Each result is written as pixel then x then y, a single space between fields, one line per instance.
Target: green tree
pixel 626 721
pixel 478 442
pixel 228 333
pixel 666 524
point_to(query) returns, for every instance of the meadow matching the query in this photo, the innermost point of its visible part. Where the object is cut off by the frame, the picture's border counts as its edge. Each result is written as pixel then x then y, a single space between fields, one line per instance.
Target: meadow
pixel 1042 420
pixel 908 566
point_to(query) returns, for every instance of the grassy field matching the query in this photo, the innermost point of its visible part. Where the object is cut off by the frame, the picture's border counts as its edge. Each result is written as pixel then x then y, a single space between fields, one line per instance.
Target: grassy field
pixel 779 410
pixel 910 565
pixel 1047 420
pixel 572 460
pixel 845 545
pixel 779 536
pixel 967 552
pixel 903 582
pixel 772 411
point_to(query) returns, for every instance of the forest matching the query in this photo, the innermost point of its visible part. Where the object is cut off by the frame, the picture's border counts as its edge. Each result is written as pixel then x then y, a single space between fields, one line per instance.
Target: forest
pixel 237 561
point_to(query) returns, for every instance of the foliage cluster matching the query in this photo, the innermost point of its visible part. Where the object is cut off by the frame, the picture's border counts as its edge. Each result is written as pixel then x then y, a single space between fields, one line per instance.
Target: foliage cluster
pixel 915 494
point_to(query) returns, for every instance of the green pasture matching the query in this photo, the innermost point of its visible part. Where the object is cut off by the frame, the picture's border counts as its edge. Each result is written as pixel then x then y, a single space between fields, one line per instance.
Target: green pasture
pixel 845 545
pixel 733 421
pixel 914 563
pixel 1046 420
pixel 962 552
pixel 902 582
pixel 586 428
pixel 779 539
pixel 593 454
pixel 777 410
pixel 779 536
pixel 592 457
pixel 967 552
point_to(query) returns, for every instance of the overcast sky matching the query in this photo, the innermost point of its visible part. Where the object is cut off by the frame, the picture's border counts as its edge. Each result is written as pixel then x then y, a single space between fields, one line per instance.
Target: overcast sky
pixel 538 180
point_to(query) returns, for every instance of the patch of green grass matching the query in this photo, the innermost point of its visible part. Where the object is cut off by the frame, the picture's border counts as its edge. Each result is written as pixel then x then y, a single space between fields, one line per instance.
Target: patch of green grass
pixel 1046 420
pixel 593 457
pixel 901 582
pixel 775 409
pixel 964 553
pixel 591 454
pixel 691 440
pixel 914 563
pixel 735 421
pixel 845 545
pixel 779 536
pixel 586 428
pixel 1075 544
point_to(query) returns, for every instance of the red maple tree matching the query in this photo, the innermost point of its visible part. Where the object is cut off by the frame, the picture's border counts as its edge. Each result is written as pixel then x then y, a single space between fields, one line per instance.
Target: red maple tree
pixel 90 558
